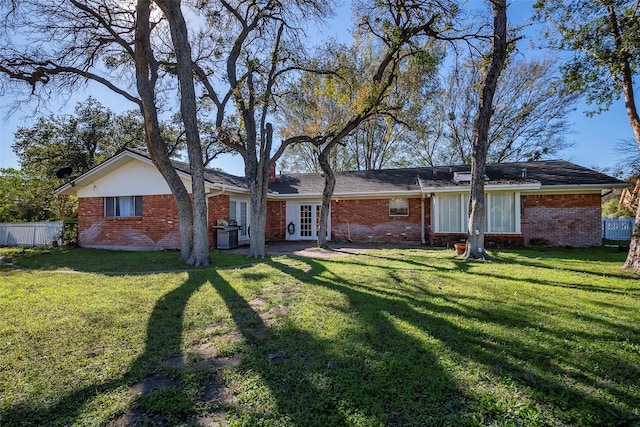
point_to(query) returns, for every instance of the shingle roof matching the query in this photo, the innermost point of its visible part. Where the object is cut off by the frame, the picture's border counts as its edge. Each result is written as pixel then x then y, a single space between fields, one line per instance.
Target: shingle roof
pixel 547 173
pixel 210 175
pixel 213 176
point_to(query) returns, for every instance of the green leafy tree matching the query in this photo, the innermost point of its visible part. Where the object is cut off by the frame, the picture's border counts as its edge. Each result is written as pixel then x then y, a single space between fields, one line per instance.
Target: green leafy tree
pixel 380 140
pixel 53 48
pixel 495 62
pixel 529 116
pixel 28 198
pixel 80 140
pixel 603 38
pixel 339 103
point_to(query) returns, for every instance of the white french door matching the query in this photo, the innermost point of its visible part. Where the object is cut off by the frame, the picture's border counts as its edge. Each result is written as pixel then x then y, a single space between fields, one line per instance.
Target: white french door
pixel 309 221
pixel 239 210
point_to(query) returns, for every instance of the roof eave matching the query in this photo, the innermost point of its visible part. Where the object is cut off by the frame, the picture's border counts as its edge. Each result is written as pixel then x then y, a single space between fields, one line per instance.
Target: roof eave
pixel 102 167
pixel 591 188
pixel 405 193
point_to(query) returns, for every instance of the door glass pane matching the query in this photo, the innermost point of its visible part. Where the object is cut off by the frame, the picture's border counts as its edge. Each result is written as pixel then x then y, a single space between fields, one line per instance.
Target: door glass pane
pixel 233 213
pixel 306 221
pixel 317 219
pixel 243 219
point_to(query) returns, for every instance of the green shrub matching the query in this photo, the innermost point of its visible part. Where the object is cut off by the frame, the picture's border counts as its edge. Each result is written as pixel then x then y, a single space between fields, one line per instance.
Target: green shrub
pixel 612 209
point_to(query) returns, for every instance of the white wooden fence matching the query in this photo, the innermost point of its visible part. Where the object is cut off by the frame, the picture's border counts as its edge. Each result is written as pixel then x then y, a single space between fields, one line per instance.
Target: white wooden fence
pixel 30 233
pixel 617 228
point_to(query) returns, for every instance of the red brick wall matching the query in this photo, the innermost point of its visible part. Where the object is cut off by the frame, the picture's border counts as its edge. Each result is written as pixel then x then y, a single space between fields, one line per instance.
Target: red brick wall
pixel 218 209
pixel 490 240
pixel 566 219
pixel 276 217
pixel 562 219
pixel 158 228
pixel 369 221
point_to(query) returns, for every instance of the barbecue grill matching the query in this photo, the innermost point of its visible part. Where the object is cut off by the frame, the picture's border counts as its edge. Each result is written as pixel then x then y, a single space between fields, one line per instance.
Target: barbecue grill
pixel 227 233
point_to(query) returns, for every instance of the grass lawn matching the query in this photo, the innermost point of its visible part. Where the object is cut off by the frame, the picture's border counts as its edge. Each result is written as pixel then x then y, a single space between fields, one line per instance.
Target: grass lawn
pixel 411 337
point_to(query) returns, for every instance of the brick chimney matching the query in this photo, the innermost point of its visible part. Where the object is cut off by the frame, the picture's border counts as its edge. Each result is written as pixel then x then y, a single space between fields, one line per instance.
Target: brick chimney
pixel 272 173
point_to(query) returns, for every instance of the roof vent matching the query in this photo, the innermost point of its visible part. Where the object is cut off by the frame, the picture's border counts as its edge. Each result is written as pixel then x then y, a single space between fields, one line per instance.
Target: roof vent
pixel 459 177
pixel 524 172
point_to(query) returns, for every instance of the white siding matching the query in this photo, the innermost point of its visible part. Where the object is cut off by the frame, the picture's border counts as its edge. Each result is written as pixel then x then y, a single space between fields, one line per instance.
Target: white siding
pixel 133 179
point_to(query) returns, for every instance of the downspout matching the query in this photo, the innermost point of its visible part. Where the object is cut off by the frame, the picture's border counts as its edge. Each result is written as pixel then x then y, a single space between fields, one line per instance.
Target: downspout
pixel 209 195
pixel 220 193
pixel 422 228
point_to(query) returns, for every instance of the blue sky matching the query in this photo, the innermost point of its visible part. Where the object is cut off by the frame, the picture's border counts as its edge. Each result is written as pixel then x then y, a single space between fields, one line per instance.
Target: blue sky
pixel 594 138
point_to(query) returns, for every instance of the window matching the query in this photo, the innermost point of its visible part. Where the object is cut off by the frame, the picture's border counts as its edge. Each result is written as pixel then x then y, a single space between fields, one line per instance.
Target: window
pixel 501 210
pixel 398 207
pixel 123 206
pixel 452 213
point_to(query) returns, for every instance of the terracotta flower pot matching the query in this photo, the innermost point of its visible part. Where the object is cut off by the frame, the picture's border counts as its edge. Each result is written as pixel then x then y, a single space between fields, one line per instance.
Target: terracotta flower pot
pixel 460 248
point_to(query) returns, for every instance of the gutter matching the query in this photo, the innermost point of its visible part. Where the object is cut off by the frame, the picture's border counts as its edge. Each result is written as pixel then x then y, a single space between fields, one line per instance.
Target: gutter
pixel 422 198
pixel 223 189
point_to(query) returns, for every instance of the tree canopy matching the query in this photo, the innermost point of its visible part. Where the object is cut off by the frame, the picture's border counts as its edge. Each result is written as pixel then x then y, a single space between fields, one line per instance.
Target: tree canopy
pixel 78 141
pixel 603 39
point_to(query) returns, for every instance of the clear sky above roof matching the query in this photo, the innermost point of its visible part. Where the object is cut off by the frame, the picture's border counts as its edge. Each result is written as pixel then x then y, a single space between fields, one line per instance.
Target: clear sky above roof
pixel 594 138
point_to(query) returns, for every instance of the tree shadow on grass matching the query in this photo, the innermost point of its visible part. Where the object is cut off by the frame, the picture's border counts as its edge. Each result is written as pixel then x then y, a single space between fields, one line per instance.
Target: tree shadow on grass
pixel 163 342
pixel 308 379
pixel 562 386
pixel 317 380
pixel 571 258
pixel 396 362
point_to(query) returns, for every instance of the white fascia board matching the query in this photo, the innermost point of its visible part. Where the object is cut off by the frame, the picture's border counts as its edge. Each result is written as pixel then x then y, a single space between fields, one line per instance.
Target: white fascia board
pixel 576 189
pixel 121 159
pixel 106 168
pixel 408 194
pixel 349 196
pixel 487 187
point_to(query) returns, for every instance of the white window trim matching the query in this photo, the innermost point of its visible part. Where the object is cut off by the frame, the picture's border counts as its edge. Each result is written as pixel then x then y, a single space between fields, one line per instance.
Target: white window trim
pixel 404 199
pixel 435 219
pixel 436 213
pixel 516 201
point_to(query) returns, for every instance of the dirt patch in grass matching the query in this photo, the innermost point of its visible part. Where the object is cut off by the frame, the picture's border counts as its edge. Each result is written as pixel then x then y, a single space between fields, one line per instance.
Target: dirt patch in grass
pixel 207 359
pixel 329 253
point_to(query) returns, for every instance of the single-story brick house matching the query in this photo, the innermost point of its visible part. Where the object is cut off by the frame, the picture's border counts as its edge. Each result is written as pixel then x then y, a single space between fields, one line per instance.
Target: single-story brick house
pixel 125 203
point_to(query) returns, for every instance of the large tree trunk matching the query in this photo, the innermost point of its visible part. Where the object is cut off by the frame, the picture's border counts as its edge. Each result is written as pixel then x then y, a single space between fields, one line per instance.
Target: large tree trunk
pixel 188 108
pixel 327 193
pixel 145 80
pixel 477 211
pixel 633 257
pixel 257 172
